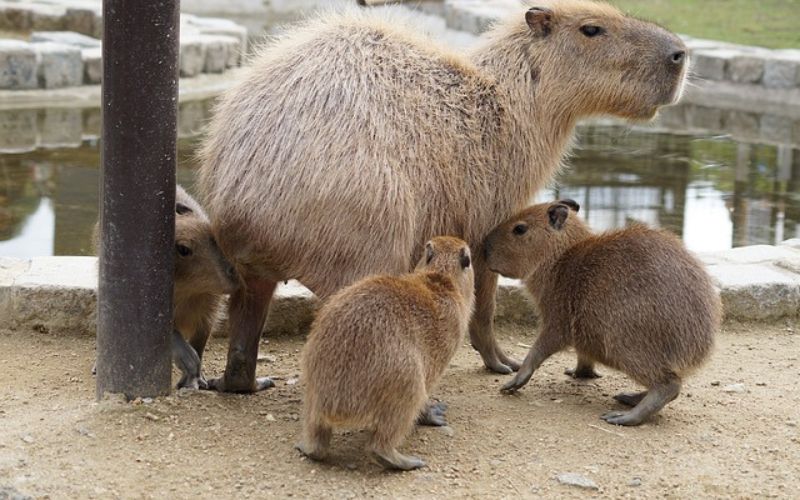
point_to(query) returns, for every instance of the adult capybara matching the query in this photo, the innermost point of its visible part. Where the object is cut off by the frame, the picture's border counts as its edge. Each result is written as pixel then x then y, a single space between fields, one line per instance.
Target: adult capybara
pixel 202 275
pixel 352 140
pixel 633 299
pixel 379 346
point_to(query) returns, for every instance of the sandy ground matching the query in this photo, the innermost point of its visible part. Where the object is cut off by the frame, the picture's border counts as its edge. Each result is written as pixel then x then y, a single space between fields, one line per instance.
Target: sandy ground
pixel 57 442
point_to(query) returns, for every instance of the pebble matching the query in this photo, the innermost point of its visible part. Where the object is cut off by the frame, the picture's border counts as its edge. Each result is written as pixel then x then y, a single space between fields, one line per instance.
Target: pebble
pixel 266 358
pixel 579 480
pixel 270 417
pixel 83 431
pixel 734 388
pixel 147 401
pixel 715 383
pixel 27 438
pixel 292 381
pixel 150 416
pixel 637 481
pixel 447 431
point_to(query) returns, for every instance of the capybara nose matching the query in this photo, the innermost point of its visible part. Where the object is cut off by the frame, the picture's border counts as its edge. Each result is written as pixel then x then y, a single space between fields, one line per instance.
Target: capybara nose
pixel 677 57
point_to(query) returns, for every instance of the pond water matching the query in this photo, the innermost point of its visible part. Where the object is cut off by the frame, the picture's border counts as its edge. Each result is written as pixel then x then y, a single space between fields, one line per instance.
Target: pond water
pixel 712 191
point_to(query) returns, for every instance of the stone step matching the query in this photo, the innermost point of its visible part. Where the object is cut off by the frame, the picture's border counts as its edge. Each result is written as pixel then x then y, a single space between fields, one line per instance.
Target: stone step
pixel 58 294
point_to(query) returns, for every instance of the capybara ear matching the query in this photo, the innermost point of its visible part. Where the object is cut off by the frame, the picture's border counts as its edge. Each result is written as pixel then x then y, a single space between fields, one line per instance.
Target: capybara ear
pixel 558 215
pixel 182 209
pixel 571 204
pixel 466 260
pixel 428 252
pixel 540 20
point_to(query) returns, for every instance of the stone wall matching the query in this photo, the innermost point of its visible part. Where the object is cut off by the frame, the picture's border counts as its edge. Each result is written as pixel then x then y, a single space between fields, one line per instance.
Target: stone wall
pixel 59 44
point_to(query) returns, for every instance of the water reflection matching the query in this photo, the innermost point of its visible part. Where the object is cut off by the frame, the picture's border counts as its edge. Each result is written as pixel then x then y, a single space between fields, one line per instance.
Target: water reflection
pixel 712 191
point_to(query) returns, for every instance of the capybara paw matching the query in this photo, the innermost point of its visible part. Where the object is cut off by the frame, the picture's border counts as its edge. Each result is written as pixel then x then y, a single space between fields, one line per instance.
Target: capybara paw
pixel 263 383
pixel 396 461
pixel 512 386
pixel 187 382
pixel 630 398
pixel 433 414
pixel 313 454
pixel 510 362
pixel 497 366
pixel 621 418
pixel 580 373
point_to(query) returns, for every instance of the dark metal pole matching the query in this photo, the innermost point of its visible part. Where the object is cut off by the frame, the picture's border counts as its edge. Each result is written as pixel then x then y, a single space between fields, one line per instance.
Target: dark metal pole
pixel 137 214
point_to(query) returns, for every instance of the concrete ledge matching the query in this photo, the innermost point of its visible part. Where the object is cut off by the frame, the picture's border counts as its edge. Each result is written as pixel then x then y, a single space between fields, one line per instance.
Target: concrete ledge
pixel 58 294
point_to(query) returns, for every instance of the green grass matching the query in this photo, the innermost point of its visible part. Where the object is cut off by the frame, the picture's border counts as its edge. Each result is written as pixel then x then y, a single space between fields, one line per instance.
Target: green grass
pixel 767 23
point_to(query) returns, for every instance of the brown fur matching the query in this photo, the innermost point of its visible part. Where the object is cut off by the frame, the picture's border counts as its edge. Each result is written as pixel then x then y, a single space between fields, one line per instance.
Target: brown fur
pixel 378 348
pixel 633 299
pixel 352 140
pixel 201 278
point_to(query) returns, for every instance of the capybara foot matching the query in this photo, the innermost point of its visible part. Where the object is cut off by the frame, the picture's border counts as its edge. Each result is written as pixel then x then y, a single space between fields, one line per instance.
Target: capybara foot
pixel 221 384
pixel 433 414
pixel 190 382
pixel 509 361
pixel 520 379
pixel 312 452
pixel 393 459
pixel 582 372
pixel 630 398
pixel 652 401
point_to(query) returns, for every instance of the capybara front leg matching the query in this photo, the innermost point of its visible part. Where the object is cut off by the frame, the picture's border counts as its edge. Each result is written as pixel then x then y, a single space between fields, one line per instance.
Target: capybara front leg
pixel 549 342
pixel 433 414
pixel 655 398
pixel 247 312
pixel 481 327
pixel 585 369
pixel 188 362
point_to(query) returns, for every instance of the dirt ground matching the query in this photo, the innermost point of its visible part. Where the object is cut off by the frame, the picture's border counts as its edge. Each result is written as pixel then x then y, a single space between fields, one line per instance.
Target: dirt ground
pixel 57 442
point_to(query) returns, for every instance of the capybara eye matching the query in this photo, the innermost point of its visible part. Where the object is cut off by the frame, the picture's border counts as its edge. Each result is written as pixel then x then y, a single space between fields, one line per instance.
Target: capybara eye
pixel 520 229
pixel 591 31
pixel 182 209
pixel 183 250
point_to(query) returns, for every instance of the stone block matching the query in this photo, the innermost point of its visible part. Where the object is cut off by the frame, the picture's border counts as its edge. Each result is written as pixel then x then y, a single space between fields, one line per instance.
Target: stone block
pixel 224 27
pixel 86 20
pixel 476 16
pixel 17 65
pixel 673 117
pixel 781 73
pixel 17 130
pixel 705 118
pixel 757 291
pixel 743 124
pixel 66 38
pixel 291 311
pixel 790 264
pixel 191 118
pixel 792 243
pixel 776 128
pixel 711 64
pixel 15 16
pixel 92 123
pixel 217 49
pixel 754 254
pixel 745 69
pixel 52 294
pixel 192 56
pixel 58 65
pixel 60 128
pixel 47 16
pixel 514 304
pixel 92 65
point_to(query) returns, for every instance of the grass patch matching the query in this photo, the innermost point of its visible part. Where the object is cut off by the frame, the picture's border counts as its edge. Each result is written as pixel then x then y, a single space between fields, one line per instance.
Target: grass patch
pixel 767 23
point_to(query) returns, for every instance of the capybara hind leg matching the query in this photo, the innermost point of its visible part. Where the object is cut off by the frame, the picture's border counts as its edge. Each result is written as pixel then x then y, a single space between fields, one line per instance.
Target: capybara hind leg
pixel 548 343
pixel 657 397
pixel 391 428
pixel 433 414
pixel 247 312
pixel 315 442
pixel 584 369
pixel 630 398
pixel 481 327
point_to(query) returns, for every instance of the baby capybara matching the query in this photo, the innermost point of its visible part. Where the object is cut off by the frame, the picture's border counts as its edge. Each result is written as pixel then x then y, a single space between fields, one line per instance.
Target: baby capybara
pixel 202 276
pixel 633 299
pixel 378 347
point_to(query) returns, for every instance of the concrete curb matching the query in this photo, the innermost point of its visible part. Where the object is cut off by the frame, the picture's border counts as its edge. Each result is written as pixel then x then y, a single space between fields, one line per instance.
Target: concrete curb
pixel 58 294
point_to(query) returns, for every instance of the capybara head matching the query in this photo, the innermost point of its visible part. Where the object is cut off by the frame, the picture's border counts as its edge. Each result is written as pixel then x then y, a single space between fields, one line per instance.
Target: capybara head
pixel 450 256
pixel 603 60
pixel 518 246
pixel 200 266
